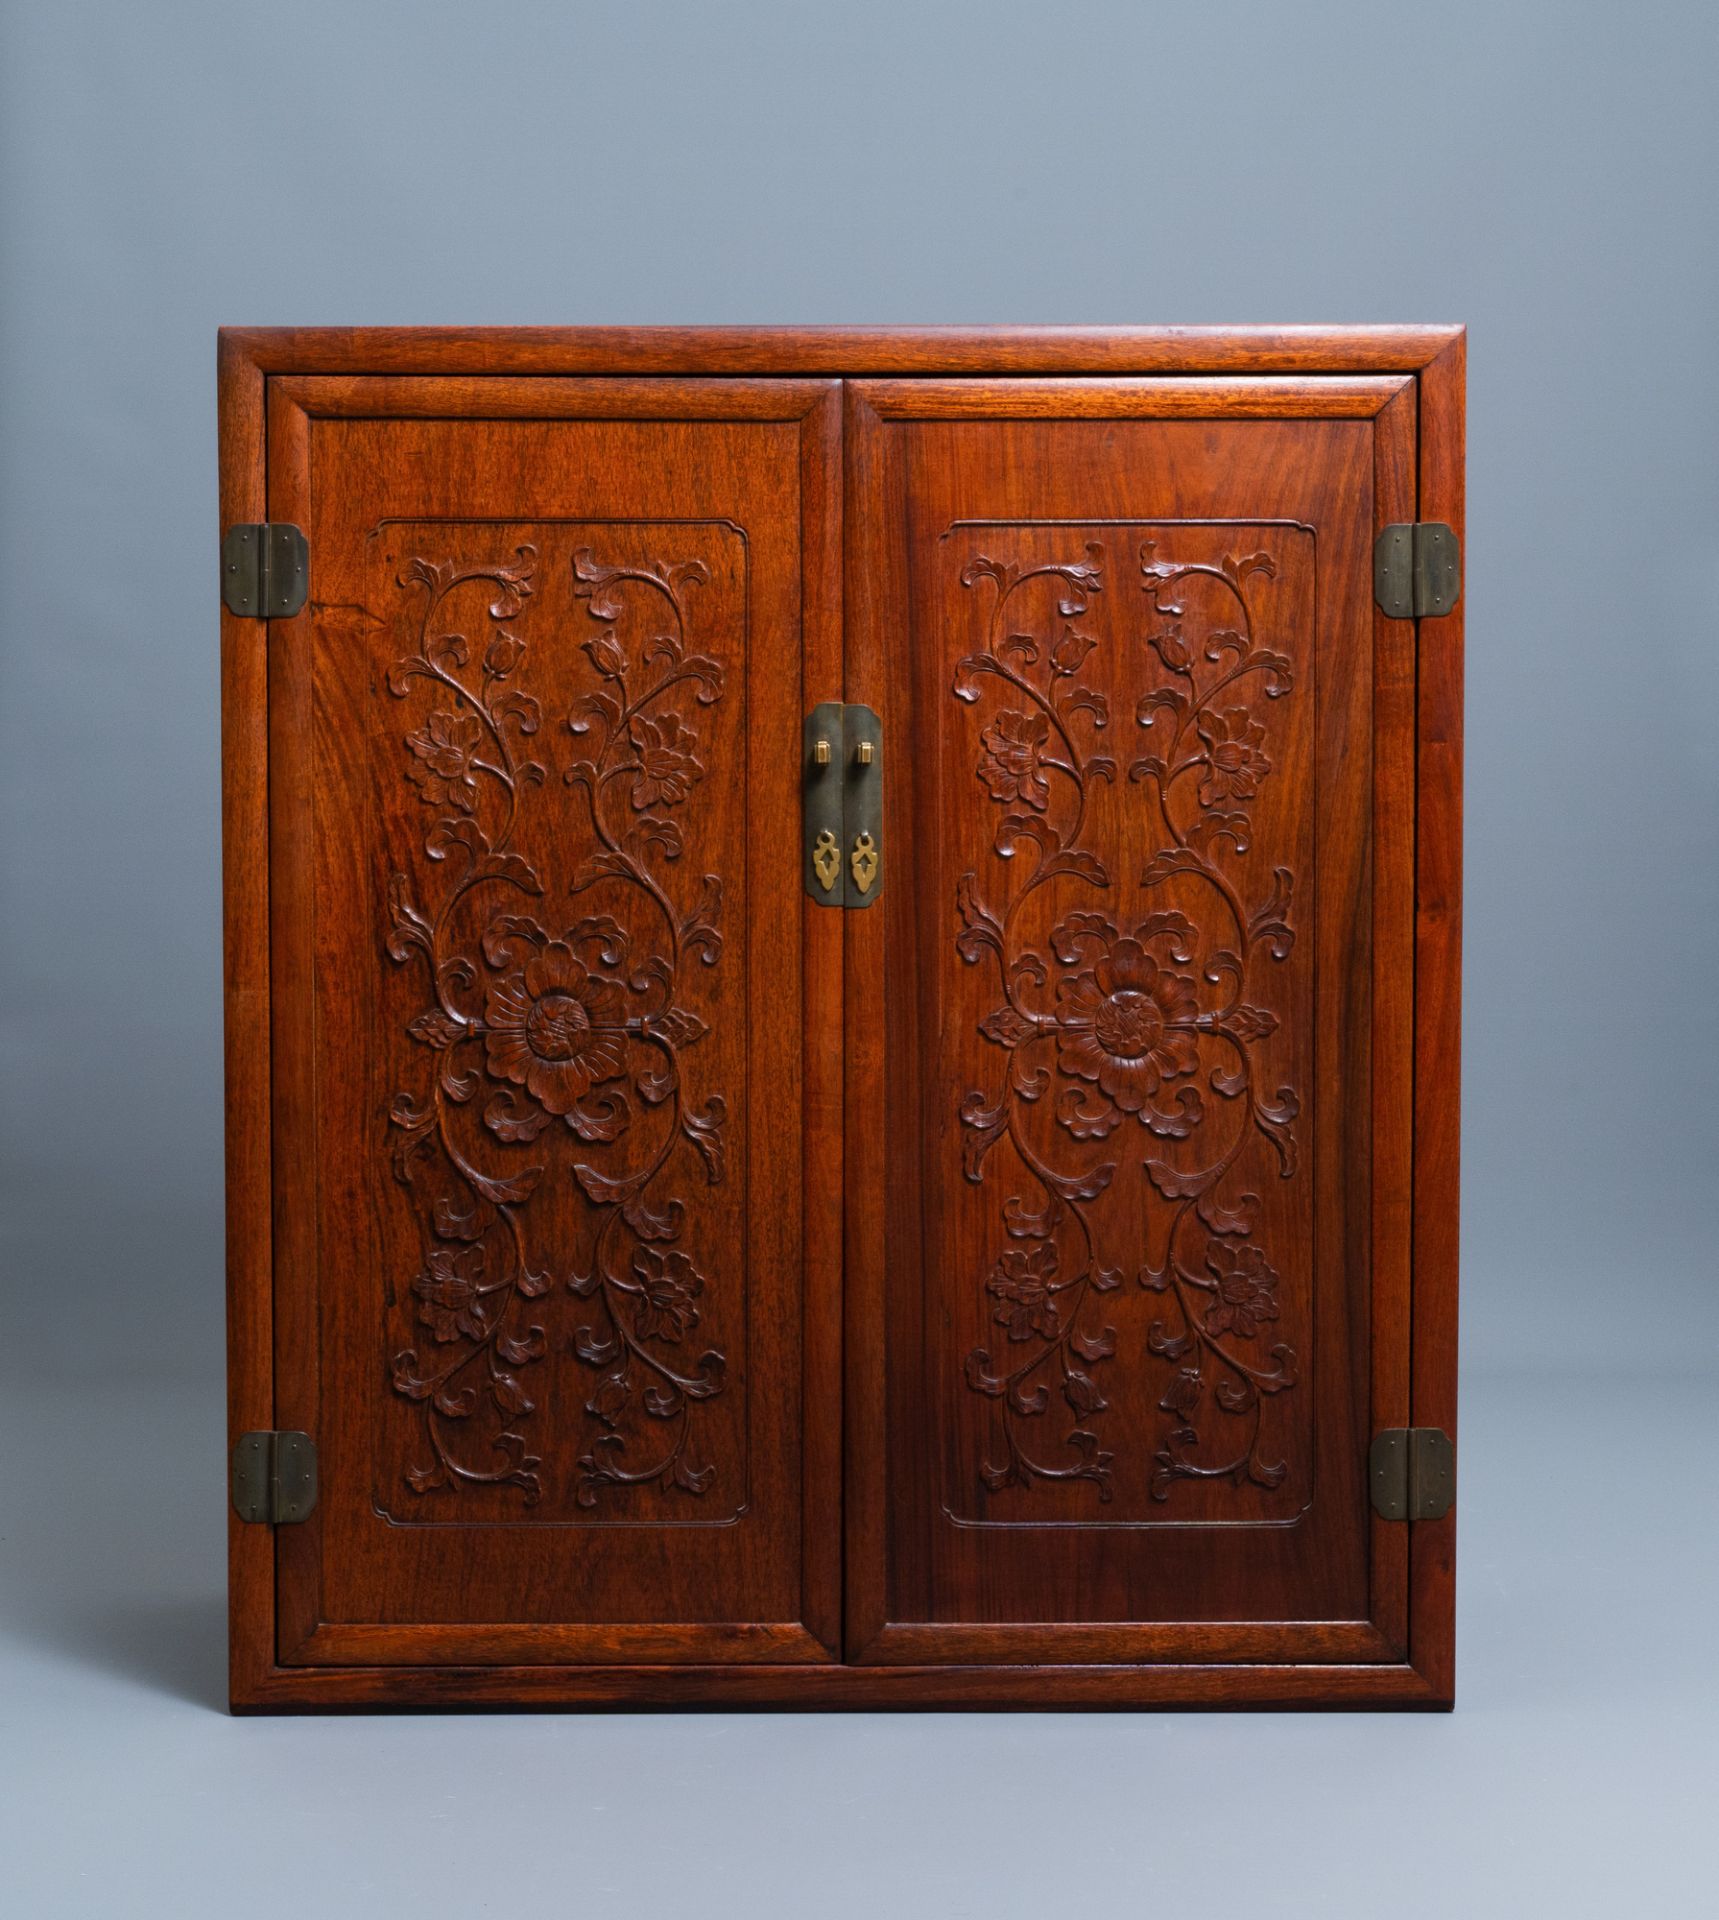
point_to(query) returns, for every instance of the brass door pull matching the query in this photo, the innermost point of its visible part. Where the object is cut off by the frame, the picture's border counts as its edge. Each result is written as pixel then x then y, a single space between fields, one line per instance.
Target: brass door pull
pixel 841 772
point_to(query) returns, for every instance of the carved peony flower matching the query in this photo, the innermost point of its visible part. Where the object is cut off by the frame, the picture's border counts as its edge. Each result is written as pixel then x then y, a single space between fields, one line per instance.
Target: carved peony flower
pixel 442 767
pixel 1020 1283
pixel 1235 760
pixel 451 1304
pixel 1010 764
pixel 668 769
pixel 1246 1291
pixel 555 1029
pixel 1125 1023
pixel 669 1284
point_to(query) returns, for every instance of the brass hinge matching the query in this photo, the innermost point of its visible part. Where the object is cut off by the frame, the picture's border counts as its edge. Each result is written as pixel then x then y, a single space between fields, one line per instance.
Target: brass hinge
pixel 1417 570
pixel 274 1477
pixel 265 569
pixel 1412 1473
pixel 842 778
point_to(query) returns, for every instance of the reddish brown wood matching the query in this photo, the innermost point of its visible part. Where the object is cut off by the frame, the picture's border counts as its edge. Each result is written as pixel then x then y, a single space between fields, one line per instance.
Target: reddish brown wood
pixel 486 1506
pixel 876 560
pixel 1438 1014
pixel 1205 1637
pixel 821 503
pixel 850 351
pixel 1393 1009
pixel 1159 397
pixel 817 1688
pixel 245 886
pixel 1009 1517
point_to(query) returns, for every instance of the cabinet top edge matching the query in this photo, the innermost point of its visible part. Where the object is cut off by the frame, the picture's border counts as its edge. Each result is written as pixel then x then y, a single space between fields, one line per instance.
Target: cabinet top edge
pixel 856 351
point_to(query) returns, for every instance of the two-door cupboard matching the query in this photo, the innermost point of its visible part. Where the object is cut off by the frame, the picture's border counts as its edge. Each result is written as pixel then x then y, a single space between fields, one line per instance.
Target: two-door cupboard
pixel 842 1014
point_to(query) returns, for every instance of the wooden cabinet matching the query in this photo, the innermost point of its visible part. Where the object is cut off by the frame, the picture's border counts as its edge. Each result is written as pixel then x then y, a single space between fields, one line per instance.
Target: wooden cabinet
pixel 702 1281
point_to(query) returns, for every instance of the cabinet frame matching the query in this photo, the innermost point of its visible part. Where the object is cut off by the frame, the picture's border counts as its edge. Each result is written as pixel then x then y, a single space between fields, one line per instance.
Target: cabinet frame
pixel 248 361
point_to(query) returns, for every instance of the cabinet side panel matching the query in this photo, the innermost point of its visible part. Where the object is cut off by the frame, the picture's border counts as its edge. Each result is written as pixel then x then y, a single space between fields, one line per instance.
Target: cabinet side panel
pixel 244 867
pixel 1438 1015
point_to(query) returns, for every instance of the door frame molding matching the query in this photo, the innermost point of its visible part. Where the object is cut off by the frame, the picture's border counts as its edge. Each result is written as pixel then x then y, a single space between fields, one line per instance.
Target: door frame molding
pixel 246 360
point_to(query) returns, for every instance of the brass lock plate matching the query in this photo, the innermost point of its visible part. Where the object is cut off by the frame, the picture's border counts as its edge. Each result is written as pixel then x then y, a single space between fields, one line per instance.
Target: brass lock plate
pixel 842 781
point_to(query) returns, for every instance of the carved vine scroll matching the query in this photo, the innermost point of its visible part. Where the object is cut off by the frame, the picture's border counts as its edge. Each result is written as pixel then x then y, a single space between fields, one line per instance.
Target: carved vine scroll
pixel 1119 1023
pixel 579 1027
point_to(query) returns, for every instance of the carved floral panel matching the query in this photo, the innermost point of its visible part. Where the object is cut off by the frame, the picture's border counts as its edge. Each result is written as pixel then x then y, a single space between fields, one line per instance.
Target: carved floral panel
pixel 561 904
pixel 1129 733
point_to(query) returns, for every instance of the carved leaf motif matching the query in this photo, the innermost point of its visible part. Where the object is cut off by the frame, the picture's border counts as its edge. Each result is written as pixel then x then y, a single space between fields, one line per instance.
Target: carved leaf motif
pixel 1251 1023
pixel 507 1192
pixel 510 939
pixel 655 1084
pixel 1179 1119
pixel 698 931
pixel 1173 860
pixel 1086 1185
pixel 518 708
pixel 410 928
pixel 980 931
pixel 1172 1346
pixel 1094 1346
pixel 600 1115
pixel 1173 1183
pixel 1166 700
pixel 1236 570
pixel 594 1348
pixel 1271 923
pixel 979 1375
pixel 602 1189
pixel 434 1028
pixel 704 1130
pixel 693 1479
pixel 512 1118
pixel 1007 1028
pixel 1212 828
pixel 459 1087
pixel 1076 699
pixel 987 1124
pixel 1239 1219
pixel 654 1223
pixel 678 1025
pixel 1022 1222
pixel 1077 860
pixel 1087 1122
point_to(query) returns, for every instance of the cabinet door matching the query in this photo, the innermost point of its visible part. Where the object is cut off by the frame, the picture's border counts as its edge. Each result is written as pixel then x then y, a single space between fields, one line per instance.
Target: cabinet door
pixel 555 1253
pixel 1130 1040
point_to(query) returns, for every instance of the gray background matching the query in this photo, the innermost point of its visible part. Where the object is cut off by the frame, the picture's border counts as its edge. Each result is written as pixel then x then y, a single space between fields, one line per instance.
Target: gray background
pixel 1548 174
